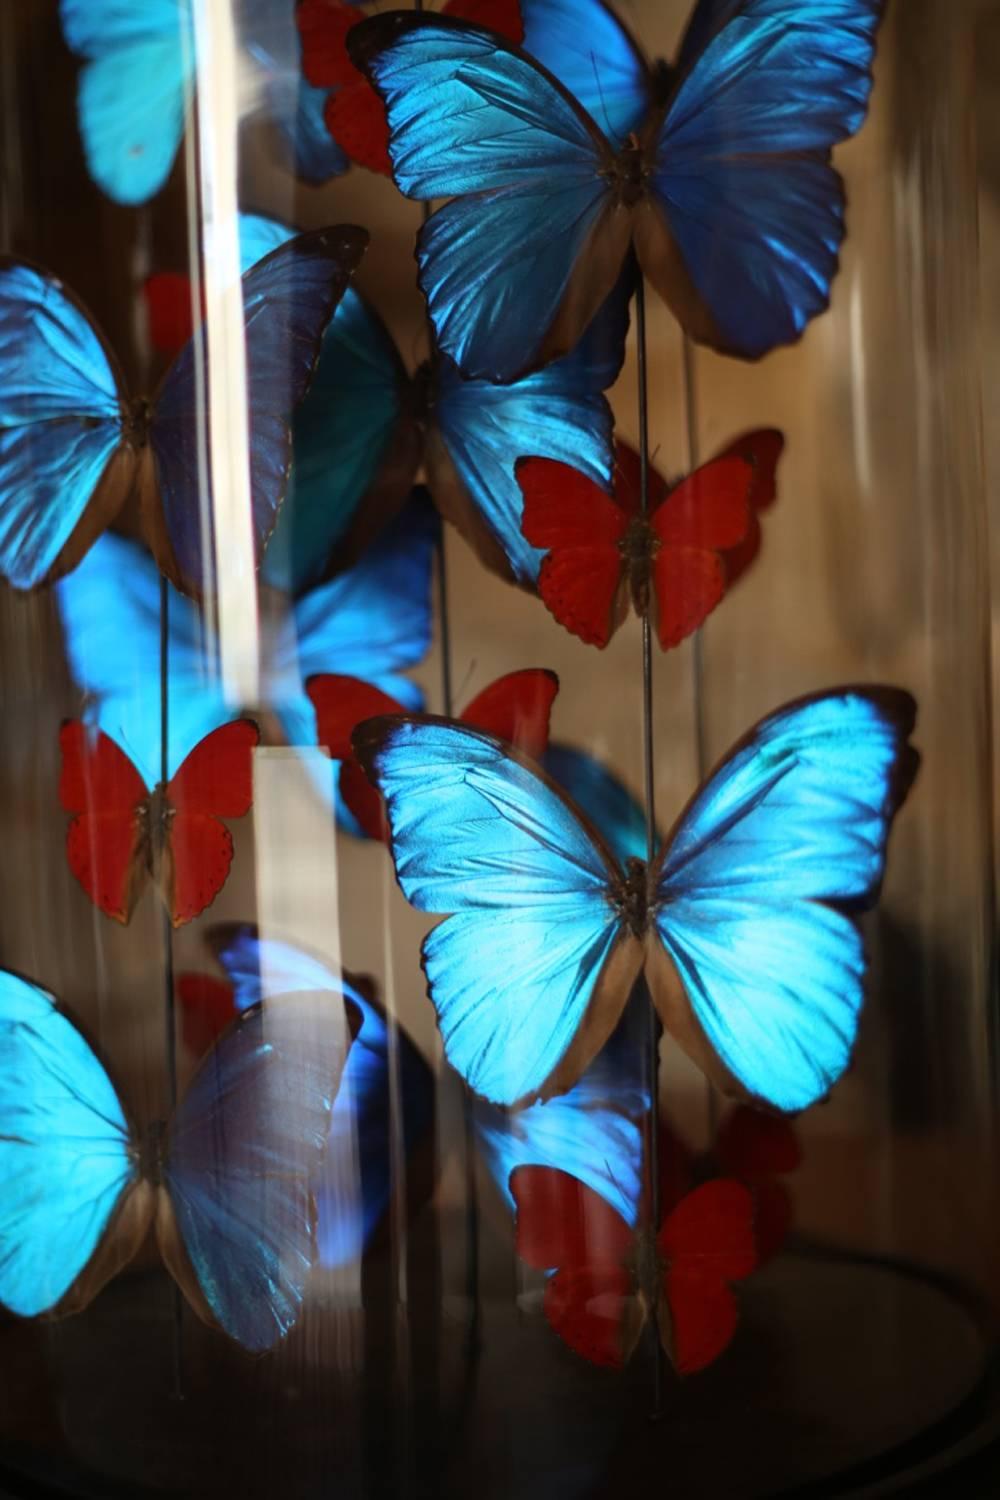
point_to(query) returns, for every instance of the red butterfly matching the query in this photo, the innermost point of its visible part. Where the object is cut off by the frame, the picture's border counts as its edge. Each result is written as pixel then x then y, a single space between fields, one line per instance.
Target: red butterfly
pixel 698 538
pixel 355 115
pixel 121 834
pixel 759 1148
pixel 608 1278
pixel 515 708
pixel 168 310
pixel 207 1006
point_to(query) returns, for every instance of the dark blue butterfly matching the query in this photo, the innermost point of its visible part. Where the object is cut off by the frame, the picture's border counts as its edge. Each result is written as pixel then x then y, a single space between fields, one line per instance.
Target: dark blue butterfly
pixel 742 922
pixel 138 76
pixel 361 1122
pixel 365 426
pixel 227 1182
pixel 74 444
pixel 371 622
pixel 726 190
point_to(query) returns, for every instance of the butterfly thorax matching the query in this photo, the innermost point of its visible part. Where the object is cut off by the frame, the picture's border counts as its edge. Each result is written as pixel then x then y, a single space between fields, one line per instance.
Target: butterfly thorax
pixel 630 172
pixel 632 898
pixel 156 815
pixel 149 1152
pixel 646 1266
pixel 638 547
pixel 135 427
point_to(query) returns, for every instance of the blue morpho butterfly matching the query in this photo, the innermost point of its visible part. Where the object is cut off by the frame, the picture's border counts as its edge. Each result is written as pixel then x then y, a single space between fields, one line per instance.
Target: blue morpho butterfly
pixel 227 1181
pixel 365 425
pixel 743 922
pixel 138 73
pixel 724 186
pixel 370 622
pixel 74 444
pixel 361 1119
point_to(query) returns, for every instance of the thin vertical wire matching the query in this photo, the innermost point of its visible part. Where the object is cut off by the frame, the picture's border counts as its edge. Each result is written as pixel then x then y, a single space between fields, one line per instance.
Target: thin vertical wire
pixel 169 1015
pixel 649 786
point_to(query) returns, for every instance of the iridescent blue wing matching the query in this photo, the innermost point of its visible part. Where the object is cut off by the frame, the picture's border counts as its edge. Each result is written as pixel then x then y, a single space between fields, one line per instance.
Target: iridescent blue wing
pixel 595 1132
pixel 362 1115
pixel 132 92
pixel 259 235
pixel 288 298
pixel 741 181
pixel 344 432
pixel 585 46
pixel 756 890
pixel 60 425
pixel 599 794
pixel 270 35
pixel 243 1151
pixel 531 973
pixel 110 613
pixel 708 17
pixel 476 120
pixel 557 413
pixel 65 1162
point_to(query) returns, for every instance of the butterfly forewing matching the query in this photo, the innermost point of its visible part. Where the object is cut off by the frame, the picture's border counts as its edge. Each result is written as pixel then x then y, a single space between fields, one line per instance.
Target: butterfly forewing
pixel 107 839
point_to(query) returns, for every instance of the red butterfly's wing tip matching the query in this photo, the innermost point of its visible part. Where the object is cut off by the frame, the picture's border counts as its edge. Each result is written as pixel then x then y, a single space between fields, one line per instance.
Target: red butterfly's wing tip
pixel 216 778
pixel 356 119
pixel 688 584
pixel 197 865
pixel 207 1007
pixel 167 295
pixel 762 449
pixel 594 1311
pixel 517 708
pixel 503 16
pixel 363 801
pixel 341 704
pixel 698 1320
pixel 323 27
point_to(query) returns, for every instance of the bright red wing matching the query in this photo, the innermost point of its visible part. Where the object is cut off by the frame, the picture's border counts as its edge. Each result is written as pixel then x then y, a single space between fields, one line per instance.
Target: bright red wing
pixel 341 704
pixel 199 856
pixel 207 1007
pixel 565 509
pixel 516 708
pixel 762 449
pixel 707 1241
pixel 323 27
pixel 103 841
pixel 594 1311
pixel 563 1223
pixel 584 587
pixel 709 509
pixel 217 776
pixel 499 15
pixel 687 583
pixel 168 309
pixel 355 117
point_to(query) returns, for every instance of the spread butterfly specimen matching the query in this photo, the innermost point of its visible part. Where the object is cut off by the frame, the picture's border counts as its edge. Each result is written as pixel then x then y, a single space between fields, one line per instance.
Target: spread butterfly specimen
pixel 744 923
pixel 602 552
pixel 612 1273
pixel 74 444
pixel 725 190
pixel 515 708
pixel 227 1182
pixel 373 622
pixel 362 1119
pixel 137 80
pixel 122 834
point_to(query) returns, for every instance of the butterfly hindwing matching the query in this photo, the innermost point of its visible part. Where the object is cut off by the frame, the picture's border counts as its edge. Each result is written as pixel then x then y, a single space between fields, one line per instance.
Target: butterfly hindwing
pixel 66 1162
pixel 243 1151
pixel 754 892
pixel 531 971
